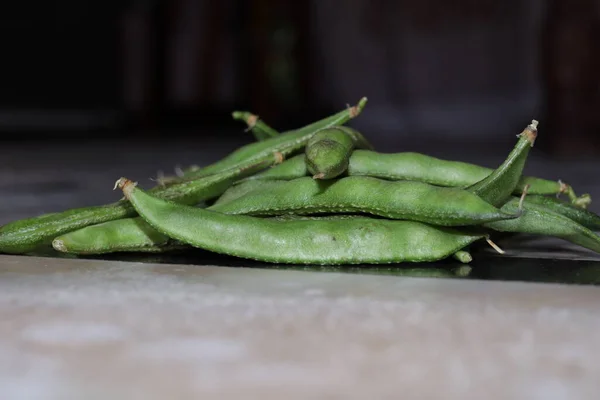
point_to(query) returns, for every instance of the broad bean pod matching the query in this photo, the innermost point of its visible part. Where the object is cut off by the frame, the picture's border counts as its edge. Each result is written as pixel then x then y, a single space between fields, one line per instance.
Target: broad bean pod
pixel 126 234
pixel 415 167
pixel 253 151
pixel 407 200
pixel 348 241
pixel 26 235
pixel 584 217
pixel 540 220
pixel 497 187
pixel 328 151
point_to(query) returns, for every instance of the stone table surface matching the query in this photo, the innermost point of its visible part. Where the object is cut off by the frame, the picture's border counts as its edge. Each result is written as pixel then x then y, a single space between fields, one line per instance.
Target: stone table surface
pixel 92 329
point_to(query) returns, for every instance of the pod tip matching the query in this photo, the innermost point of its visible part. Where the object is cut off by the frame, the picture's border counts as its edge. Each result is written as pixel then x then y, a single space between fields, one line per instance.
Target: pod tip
pixel 59 245
pixel 357 109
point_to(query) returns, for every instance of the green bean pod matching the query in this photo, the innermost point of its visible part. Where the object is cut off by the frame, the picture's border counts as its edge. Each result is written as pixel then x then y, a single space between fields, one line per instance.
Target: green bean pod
pixel 497 187
pixel 328 152
pixel 584 217
pixel 349 241
pixel 257 126
pixel 253 151
pixel 540 220
pixel 25 235
pixel 237 191
pixel 126 234
pixel 411 166
pixel 415 201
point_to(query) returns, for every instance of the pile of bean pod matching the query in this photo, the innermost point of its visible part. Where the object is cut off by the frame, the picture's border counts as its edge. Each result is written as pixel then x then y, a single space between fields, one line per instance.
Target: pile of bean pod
pixel 321 194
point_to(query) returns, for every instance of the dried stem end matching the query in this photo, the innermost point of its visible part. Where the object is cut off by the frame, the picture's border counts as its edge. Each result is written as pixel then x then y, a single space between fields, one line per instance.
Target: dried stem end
pixel 355 111
pixel 494 245
pixel 125 185
pixel 530 132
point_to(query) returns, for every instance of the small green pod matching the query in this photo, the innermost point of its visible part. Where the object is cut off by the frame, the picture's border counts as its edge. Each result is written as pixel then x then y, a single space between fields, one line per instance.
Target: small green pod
pixel 350 241
pixel 237 191
pixel 328 152
pixel 413 167
pixel 540 220
pixel 292 140
pixel 497 187
pixel 127 234
pixel 409 200
pixel 584 217
pixel 25 235
pixel 257 126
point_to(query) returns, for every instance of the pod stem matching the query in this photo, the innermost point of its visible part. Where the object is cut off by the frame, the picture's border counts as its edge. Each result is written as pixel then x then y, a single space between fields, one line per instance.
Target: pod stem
pixel 494 246
pixel 523 195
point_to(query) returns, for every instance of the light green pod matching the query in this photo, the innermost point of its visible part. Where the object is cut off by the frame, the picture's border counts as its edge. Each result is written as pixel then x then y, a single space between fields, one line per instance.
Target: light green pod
pixel 328 152
pixel 282 142
pixel 127 234
pixel 584 217
pixel 237 191
pixel 413 167
pixel 539 220
pixel 257 126
pixel 349 241
pixel 497 187
pixel 415 201
pixel 25 235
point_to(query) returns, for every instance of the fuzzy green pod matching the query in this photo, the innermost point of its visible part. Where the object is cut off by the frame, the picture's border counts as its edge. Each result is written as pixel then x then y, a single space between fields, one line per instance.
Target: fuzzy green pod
pixel 237 191
pixel 414 167
pixel 540 220
pixel 328 152
pixel 126 234
pixel 26 235
pixel 497 187
pixel 584 217
pixel 299 137
pixel 409 200
pixel 348 241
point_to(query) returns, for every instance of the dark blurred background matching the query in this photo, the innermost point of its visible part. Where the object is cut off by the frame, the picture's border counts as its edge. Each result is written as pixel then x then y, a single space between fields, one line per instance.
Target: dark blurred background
pixel 92 90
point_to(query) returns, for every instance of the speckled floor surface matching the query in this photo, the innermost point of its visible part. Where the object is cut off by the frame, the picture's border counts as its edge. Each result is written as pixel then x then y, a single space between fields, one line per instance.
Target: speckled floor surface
pixel 72 329
pixel 184 328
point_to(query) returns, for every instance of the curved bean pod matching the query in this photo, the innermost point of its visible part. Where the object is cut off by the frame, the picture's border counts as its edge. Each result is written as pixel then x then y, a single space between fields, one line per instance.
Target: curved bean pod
pixel 407 200
pixel 126 234
pixel 27 234
pixel 296 139
pixel 539 220
pixel 349 241
pixel 497 187
pixel 411 166
pixel 586 218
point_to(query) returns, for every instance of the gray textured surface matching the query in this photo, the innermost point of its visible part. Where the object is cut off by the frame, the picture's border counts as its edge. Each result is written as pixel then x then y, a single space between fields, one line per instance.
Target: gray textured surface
pixel 90 329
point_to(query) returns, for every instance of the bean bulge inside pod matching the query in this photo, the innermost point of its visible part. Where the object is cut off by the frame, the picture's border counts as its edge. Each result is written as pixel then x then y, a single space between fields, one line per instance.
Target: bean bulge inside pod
pixel 408 200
